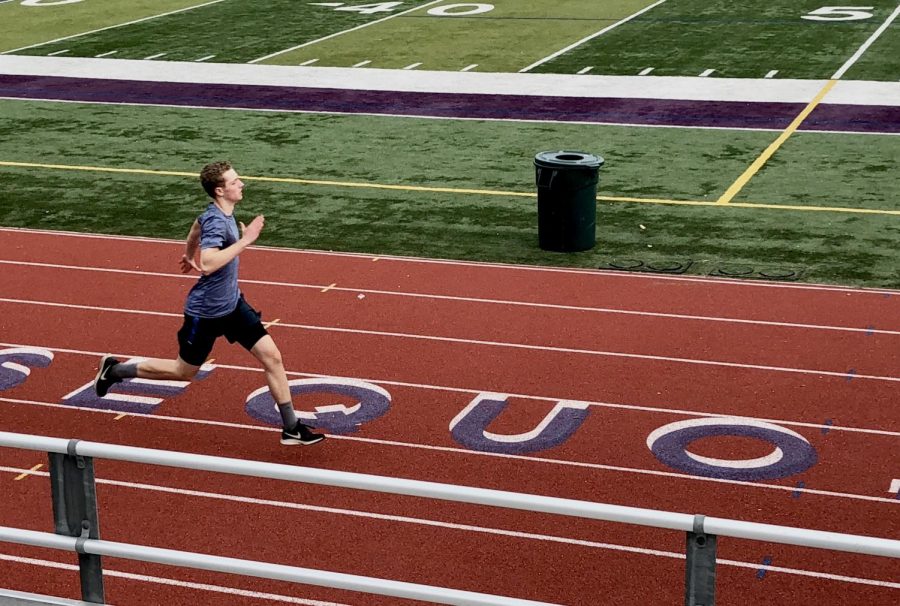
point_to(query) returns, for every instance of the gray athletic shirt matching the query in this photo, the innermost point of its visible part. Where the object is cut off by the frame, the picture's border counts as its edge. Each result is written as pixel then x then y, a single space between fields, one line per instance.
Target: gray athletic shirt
pixel 216 294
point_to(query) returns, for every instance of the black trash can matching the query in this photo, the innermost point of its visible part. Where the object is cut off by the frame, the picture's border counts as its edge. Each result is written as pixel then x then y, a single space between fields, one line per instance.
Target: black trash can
pixel 567 199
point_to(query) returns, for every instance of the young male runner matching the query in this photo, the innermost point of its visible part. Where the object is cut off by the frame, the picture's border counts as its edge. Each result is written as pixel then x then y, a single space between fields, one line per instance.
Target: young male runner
pixel 215 305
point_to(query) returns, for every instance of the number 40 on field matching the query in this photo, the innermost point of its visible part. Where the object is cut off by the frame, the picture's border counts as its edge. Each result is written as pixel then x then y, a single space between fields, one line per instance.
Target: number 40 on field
pixel 445 10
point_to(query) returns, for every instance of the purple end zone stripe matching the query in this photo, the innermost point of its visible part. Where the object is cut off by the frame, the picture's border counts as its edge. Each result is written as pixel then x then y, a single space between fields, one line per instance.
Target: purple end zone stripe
pixel 866 118
pixel 726 114
pixel 526 107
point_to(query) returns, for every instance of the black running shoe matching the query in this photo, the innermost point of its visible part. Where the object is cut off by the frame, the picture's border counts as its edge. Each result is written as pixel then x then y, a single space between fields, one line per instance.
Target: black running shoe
pixel 102 382
pixel 301 434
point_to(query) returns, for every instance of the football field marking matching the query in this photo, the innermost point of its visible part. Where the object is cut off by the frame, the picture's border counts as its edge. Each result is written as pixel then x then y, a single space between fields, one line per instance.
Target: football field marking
pixel 589 38
pixel 103 29
pixel 754 168
pixel 341 33
pixel 865 46
pixel 764 157
pixel 452 190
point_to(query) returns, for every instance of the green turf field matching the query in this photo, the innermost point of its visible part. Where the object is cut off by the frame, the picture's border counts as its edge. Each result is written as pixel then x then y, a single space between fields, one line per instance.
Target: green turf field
pixel 627 37
pixel 823 208
pixel 845 231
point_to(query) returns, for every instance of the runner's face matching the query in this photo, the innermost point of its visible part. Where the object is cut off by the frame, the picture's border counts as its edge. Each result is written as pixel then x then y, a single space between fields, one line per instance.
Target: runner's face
pixel 233 187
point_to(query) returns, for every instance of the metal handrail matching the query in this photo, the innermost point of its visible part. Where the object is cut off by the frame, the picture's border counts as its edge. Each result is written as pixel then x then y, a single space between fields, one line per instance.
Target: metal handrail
pixel 75 512
pixel 465 494
pixel 263 570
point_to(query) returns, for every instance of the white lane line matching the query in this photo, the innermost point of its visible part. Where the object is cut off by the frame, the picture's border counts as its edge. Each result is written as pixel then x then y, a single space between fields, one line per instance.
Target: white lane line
pixel 202 59
pixel 156 56
pixel 645 71
pixel 585 70
pixel 482 264
pixel 706 72
pixel 469 68
pixel 59 52
pixel 865 46
pixel 444 525
pixel 500 344
pixel 309 62
pixel 470 391
pixel 413 65
pixel 473 453
pixel 771 74
pixel 107 54
pixel 362 63
pixel 103 29
pixel 221 589
pixel 591 37
pixel 346 31
pixel 507 302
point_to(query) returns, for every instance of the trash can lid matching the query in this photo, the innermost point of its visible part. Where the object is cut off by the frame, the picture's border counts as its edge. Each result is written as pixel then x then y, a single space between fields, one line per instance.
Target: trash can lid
pixel 568 159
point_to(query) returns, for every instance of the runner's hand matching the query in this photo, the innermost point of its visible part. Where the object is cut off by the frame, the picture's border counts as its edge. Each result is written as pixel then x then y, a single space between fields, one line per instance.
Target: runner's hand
pixel 251 232
pixel 187 264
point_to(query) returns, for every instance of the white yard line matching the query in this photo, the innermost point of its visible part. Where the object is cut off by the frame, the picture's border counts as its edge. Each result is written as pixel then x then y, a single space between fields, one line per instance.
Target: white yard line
pixel 341 33
pixel 591 37
pixel 103 29
pixel 862 49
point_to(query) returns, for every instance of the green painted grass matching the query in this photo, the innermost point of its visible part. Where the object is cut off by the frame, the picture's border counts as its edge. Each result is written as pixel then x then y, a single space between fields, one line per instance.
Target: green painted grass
pixel 679 164
pixel 510 37
pixel 882 60
pixel 231 31
pixel 680 38
pixel 27 25
pixel 738 40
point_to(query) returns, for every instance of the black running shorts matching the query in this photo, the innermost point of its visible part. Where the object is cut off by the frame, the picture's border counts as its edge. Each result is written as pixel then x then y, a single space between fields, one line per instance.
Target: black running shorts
pixel 198 335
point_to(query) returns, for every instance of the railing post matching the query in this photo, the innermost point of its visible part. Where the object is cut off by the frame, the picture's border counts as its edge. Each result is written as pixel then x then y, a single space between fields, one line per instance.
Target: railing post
pixel 75 514
pixel 700 570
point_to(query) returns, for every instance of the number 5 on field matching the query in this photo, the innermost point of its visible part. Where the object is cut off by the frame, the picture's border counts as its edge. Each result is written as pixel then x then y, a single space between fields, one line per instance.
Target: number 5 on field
pixel 839 13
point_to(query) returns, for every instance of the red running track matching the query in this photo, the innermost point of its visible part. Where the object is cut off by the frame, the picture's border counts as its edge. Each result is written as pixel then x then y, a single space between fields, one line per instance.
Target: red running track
pixel 641 351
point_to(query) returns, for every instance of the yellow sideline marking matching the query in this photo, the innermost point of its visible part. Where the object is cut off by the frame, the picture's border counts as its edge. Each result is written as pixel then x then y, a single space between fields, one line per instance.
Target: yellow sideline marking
pixel 732 191
pixel 27 473
pixel 485 192
pixel 329 287
pixel 832 209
